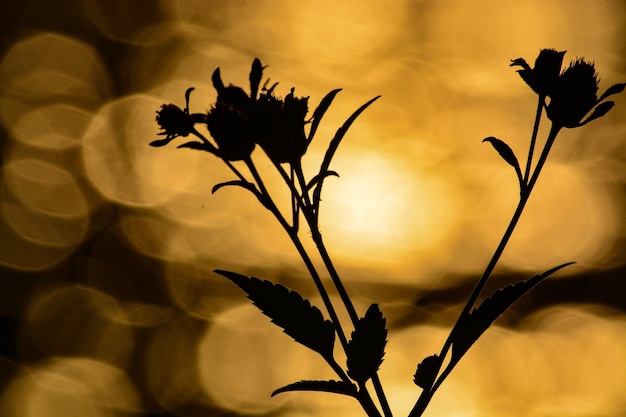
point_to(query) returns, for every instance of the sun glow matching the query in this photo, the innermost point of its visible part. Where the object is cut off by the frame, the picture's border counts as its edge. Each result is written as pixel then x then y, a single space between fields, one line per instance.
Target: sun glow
pixel 381 212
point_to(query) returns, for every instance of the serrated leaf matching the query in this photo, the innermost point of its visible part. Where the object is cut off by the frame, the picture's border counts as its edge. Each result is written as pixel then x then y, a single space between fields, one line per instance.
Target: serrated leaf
pixel 366 347
pixel 336 387
pixel 320 110
pixel 290 311
pixel 238 183
pixel 506 153
pixel 472 326
pixel 427 371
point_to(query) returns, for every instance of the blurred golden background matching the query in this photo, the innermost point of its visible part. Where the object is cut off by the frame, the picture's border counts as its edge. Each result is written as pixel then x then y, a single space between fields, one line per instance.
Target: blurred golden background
pixel 108 303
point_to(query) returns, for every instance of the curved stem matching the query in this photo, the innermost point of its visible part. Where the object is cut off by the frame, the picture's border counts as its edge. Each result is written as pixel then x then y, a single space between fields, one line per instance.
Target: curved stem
pixel 427 394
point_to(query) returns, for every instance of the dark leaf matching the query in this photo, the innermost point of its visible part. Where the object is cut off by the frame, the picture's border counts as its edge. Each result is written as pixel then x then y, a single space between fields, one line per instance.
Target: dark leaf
pixel 427 371
pixel 334 144
pixel 245 184
pixel 319 178
pixel 600 110
pixel 288 310
pixel 217 80
pixel 506 153
pixel 256 73
pixel 199 146
pixel 320 111
pixel 614 89
pixel 337 387
pixel 366 348
pixel 472 326
pixel 161 142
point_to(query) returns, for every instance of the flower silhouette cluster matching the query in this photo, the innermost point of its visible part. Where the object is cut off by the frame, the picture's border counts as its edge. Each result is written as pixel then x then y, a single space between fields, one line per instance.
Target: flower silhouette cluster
pixel 238 121
pixel 572 93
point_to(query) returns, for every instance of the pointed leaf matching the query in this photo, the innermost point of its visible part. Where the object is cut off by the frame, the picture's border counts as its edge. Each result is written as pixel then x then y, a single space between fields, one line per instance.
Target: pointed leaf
pixel 256 73
pixel 320 111
pixel 337 387
pixel 427 371
pixel 217 80
pixel 600 110
pixel 161 142
pixel 334 144
pixel 244 184
pixel 614 89
pixel 366 348
pixel 319 178
pixel 199 146
pixel 506 153
pixel 471 327
pixel 290 311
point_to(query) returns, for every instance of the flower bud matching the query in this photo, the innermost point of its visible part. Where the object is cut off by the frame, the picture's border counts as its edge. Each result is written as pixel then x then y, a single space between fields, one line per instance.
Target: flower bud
pixel 543 78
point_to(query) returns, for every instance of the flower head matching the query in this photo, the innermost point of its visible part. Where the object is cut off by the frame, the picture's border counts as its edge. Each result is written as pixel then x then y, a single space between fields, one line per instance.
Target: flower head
pixel 575 95
pixel 280 125
pixel 230 120
pixel 544 76
pixel 175 121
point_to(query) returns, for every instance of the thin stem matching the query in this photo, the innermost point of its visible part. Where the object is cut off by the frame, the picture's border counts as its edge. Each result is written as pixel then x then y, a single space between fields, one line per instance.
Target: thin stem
pixel 363 395
pixel 293 235
pixel 427 394
pixel 321 247
pixel 533 139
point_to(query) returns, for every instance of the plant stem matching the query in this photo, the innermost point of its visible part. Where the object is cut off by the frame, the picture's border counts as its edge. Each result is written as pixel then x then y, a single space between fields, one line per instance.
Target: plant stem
pixel 533 139
pixel 293 235
pixel 427 394
pixel 363 395
pixel 321 248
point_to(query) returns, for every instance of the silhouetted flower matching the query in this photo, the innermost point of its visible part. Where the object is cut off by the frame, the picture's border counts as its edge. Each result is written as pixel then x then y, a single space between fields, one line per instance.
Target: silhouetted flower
pixel 544 76
pixel 175 121
pixel 280 125
pixel 575 96
pixel 230 120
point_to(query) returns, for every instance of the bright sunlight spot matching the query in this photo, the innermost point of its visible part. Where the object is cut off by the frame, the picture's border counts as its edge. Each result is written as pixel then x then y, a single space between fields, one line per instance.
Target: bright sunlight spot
pixel 370 215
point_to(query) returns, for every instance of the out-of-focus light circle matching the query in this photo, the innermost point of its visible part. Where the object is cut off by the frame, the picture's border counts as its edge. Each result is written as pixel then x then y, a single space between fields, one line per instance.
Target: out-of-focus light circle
pixel 45 188
pixel 57 126
pixel 80 321
pixel 243 358
pixel 44 216
pixel 70 387
pixel 50 68
pixel 121 164
pixel 170 361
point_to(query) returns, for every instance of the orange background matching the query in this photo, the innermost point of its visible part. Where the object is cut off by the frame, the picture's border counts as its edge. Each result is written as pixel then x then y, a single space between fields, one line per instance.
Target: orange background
pixel 107 299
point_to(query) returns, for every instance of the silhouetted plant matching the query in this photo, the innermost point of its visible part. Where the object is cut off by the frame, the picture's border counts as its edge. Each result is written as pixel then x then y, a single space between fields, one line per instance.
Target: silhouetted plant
pixel 239 121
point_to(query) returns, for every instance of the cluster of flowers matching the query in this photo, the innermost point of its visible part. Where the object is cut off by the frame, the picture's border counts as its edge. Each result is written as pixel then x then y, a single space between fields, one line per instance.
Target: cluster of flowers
pixel 239 121
pixel 572 93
